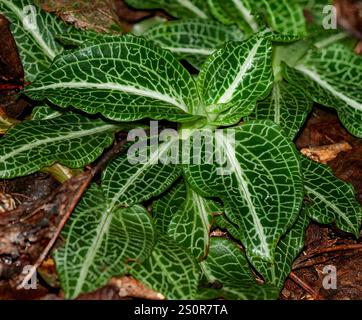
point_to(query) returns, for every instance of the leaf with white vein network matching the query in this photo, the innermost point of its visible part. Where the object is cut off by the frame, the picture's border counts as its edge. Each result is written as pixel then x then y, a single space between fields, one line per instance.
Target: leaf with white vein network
pixel 72 140
pixel 190 225
pixel 223 223
pixel 256 173
pixel 241 12
pixel 167 205
pixel 287 105
pixel 283 16
pixel 177 8
pixel 170 270
pixel 124 184
pixel 289 247
pixel 193 39
pixel 36 42
pixel 129 180
pixel 278 37
pixel 78 37
pixel 330 199
pixel 333 77
pixel 236 76
pixel 218 11
pixel 124 79
pixel 100 241
pixel 45 112
pixel 227 265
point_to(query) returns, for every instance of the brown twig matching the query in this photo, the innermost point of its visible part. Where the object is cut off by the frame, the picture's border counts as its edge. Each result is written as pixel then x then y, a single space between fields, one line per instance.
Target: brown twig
pixel 73 202
pixel 305 286
pixel 9 86
pixel 79 183
pixel 319 251
pixel 311 263
pixel 342 247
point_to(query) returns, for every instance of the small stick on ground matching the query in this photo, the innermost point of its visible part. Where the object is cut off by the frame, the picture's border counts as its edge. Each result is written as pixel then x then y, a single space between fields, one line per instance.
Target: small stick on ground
pixel 319 251
pixel 305 286
pixel 311 263
pixel 342 247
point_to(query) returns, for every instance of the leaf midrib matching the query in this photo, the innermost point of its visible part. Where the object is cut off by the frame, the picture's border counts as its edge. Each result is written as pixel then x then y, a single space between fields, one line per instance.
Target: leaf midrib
pixel 152 160
pixel 276 98
pixel 116 87
pixel 324 84
pixel 243 69
pixel 203 214
pixel 331 205
pixel 190 6
pixel 247 15
pixel 204 52
pixel 243 185
pixel 102 228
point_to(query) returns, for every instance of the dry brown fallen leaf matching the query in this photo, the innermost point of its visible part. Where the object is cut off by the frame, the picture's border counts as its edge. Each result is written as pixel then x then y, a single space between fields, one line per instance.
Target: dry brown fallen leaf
pixel 97 15
pixel 130 287
pixel 324 154
pixel 7 202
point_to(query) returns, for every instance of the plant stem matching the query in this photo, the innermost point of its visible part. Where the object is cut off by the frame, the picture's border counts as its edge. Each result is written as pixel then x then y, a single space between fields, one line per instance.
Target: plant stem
pixel 60 172
pixel 186 129
pixel 277 64
pixel 6 122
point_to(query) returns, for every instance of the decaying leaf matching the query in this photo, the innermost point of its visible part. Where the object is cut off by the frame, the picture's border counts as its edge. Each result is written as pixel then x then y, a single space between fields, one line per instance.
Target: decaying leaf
pixel 324 154
pixel 99 15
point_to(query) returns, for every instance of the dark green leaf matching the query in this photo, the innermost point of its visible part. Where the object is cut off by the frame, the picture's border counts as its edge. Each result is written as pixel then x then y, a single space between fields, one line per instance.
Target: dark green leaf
pixel 333 77
pixel 287 105
pixel 100 240
pixel 190 225
pixel 287 250
pixel 235 77
pixel 193 39
pixel 169 270
pixel 330 199
pixel 258 179
pixel 72 140
pixel 177 8
pixel 226 265
pixel 125 79
pixel 165 207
